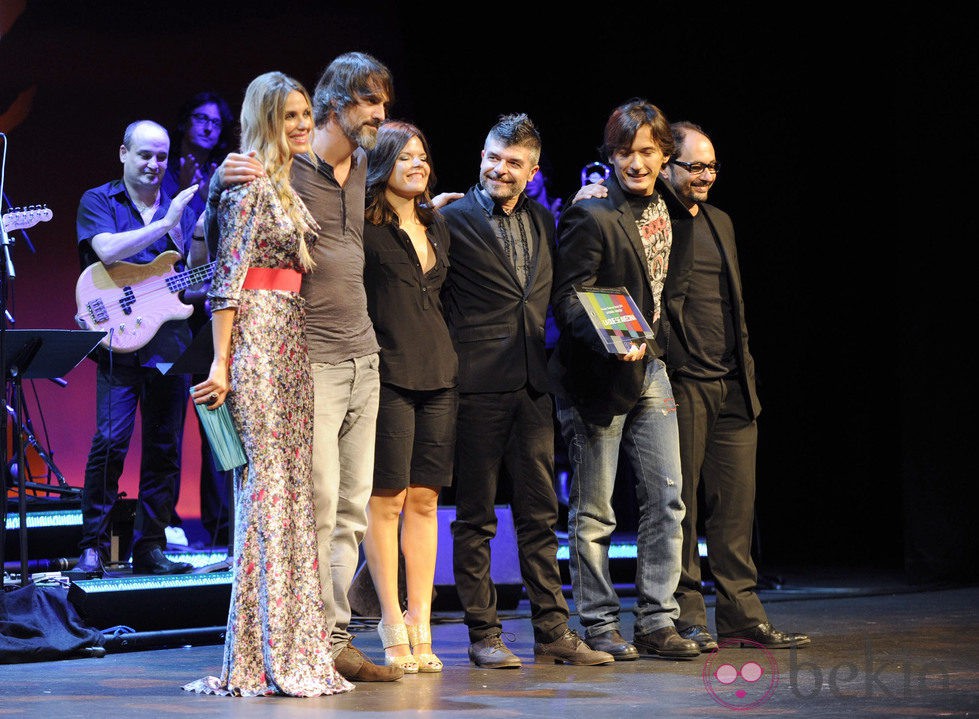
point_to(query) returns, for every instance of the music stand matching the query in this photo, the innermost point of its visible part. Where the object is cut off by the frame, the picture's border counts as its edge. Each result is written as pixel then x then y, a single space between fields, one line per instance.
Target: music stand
pixel 196 360
pixel 36 354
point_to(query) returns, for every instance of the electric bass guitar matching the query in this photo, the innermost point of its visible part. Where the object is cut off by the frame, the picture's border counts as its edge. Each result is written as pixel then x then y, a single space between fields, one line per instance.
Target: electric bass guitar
pixel 131 301
pixel 22 219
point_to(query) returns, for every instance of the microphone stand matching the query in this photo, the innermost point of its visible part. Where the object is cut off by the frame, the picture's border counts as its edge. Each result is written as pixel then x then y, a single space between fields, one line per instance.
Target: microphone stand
pixel 7 273
pixel 7 264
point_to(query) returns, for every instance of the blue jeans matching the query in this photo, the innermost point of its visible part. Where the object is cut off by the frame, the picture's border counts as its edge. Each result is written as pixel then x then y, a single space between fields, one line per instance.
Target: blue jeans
pixel 344 418
pixel 647 437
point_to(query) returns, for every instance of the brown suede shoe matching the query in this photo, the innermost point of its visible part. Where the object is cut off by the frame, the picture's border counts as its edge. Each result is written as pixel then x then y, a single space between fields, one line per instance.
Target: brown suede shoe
pixel 355 667
pixel 569 649
pixel 490 653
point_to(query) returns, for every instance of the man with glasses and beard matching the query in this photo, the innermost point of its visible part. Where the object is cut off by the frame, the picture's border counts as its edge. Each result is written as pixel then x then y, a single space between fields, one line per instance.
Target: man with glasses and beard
pixel 201 139
pixel 705 338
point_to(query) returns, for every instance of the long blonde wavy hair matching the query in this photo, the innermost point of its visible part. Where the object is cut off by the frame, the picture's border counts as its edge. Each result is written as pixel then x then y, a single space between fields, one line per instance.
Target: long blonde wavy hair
pixel 263 130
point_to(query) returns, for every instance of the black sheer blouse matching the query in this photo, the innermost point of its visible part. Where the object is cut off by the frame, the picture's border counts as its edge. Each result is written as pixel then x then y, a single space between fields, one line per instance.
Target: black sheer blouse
pixel 405 306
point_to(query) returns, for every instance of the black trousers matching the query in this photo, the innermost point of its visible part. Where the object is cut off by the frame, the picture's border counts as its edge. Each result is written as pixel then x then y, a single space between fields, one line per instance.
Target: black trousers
pixel 718 444
pixel 512 431
pixel 162 402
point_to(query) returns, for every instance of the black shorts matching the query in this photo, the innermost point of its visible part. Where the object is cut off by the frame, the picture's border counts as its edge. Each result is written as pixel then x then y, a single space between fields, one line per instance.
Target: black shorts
pixel 415 441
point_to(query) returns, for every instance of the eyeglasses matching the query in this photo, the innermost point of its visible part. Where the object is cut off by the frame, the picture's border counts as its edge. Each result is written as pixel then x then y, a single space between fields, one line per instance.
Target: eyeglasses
pixel 696 168
pixel 202 119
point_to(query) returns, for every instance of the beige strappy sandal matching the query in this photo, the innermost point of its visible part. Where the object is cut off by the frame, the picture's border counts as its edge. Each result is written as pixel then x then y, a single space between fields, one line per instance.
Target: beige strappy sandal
pixel 422 634
pixel 393 635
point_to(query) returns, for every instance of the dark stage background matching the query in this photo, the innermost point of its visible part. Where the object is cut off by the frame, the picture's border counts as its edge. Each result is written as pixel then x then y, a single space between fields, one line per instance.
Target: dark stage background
pixel 820 291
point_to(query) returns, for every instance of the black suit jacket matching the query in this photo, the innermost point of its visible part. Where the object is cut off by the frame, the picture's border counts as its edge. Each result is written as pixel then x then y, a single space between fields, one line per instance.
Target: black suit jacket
pixel 497 326
pixel 599 246
pixel 672 334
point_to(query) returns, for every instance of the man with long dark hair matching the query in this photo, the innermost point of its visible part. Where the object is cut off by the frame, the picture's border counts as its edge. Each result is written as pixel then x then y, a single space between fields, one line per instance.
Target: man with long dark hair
pixel 349 104
pixel 612 405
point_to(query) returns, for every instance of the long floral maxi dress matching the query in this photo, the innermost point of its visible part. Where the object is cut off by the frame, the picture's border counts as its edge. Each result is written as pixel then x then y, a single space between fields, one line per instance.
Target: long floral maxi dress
pixel 277 641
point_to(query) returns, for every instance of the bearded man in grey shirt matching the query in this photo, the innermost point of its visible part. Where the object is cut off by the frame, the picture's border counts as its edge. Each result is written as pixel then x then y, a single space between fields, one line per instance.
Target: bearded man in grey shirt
pixel 350 102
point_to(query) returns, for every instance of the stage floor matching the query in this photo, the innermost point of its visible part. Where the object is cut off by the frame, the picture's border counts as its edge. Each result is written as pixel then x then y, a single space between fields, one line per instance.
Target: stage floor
pixel 880 648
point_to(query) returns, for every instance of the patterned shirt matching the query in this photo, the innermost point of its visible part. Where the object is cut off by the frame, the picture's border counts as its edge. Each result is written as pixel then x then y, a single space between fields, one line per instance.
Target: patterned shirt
pixel 653 221
pixel 514 231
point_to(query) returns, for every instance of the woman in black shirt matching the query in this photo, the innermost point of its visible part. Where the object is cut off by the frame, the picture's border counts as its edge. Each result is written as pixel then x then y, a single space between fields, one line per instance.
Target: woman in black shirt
pixel 406 250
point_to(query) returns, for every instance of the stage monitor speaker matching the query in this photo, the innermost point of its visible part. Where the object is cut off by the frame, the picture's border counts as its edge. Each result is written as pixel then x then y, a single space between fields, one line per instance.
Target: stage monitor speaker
pixel 504 569
pixel 504 562
pixel 54 530
pixel 147 603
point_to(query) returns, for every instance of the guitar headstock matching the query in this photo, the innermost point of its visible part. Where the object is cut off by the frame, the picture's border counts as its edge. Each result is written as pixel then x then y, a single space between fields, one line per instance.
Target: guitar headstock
pixel 21 219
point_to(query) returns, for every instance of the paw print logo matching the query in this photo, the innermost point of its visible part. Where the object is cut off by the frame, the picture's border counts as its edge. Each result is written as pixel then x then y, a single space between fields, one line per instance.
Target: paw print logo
pixel 742 680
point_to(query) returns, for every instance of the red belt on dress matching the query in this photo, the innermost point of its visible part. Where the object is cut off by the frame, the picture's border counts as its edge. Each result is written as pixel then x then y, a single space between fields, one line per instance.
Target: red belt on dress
pixel 268 278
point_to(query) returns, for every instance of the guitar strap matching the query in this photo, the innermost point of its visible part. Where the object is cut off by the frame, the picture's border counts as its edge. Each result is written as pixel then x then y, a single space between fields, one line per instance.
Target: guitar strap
pixel 176 236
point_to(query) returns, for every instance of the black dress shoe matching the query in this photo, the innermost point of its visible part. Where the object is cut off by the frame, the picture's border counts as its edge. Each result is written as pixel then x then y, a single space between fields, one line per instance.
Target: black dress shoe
pixel 613 643
pixel 89 562
pixel 666 643
pixel 698 633
pixel 768 636
pixel 157 563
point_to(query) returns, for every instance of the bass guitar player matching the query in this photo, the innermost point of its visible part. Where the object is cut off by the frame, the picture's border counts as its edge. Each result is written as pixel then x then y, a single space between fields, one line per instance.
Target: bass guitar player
pixel 130 220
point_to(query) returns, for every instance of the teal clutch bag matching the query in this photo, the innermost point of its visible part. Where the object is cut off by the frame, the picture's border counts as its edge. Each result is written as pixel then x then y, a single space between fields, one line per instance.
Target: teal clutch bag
pixel 222 436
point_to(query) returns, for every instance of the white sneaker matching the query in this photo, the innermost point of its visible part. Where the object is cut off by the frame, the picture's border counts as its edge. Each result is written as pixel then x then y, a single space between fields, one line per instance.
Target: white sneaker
pixel 176 535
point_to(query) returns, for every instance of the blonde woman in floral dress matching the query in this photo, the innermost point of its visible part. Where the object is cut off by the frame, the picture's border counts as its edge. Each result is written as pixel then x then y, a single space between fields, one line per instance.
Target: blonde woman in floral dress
pixel 277 641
